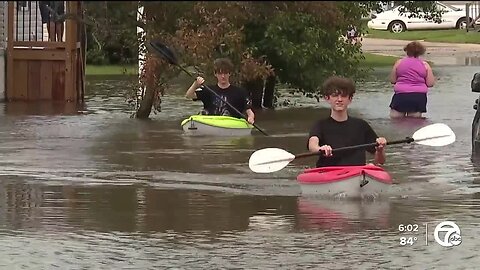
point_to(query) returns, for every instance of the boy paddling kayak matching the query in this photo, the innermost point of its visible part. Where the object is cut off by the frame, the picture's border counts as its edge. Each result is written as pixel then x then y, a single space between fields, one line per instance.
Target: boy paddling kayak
pixel 341 130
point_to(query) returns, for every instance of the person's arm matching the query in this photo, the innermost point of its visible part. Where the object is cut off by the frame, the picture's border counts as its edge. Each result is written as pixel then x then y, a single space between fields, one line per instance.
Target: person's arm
pixel 250 116
pixel 430 79
pixel 248 107
pixel 314 135
pixel 380 157
pixel 380 151
pixel 315 139
pixel 313 144
pixel 191 91
pixel 190 94
pixel 393 73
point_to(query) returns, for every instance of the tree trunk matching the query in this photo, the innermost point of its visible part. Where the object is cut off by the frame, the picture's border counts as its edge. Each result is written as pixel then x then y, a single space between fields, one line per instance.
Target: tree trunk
pixel 146 104
pixel 269 92
pixel 145 108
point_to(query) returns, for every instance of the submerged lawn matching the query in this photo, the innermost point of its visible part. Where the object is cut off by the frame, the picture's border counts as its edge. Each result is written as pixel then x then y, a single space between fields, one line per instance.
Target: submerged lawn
pixel 376 60
pixel 111 70
pixel 371 60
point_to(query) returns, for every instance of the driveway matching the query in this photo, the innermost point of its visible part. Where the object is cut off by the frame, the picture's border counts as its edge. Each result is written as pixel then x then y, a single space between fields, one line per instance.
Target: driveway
pixel 437 52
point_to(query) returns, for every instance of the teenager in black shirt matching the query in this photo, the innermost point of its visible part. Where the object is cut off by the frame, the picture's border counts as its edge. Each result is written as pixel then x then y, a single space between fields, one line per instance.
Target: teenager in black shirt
pixel 341 130
pixel 236 96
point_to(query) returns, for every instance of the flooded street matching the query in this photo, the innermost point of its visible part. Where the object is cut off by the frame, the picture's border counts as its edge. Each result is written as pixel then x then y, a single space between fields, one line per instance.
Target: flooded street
pixel 92 188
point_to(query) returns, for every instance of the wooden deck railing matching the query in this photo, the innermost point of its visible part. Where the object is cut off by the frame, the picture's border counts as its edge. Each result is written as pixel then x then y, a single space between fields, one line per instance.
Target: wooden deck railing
pixel 39 69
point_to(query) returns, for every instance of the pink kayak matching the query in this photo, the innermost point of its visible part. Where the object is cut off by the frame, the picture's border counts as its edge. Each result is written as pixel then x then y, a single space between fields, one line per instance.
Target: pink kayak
pixel 346 181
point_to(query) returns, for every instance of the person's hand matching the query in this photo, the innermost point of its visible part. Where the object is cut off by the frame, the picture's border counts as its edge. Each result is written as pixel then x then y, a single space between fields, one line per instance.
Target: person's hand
pixel 199 81
pixel 381 142
pixel 251 119
pixel 327 150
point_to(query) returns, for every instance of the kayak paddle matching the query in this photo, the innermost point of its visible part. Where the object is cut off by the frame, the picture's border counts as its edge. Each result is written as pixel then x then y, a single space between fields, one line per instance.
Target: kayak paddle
pixel 168 55
pixel 274 159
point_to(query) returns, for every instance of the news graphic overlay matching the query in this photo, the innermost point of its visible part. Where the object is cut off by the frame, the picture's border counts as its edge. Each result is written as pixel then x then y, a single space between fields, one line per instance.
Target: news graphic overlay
pixel 447 234
pixel 409 234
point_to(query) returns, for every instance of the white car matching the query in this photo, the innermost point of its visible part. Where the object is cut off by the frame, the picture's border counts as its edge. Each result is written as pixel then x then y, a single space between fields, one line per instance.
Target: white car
pixel 392 20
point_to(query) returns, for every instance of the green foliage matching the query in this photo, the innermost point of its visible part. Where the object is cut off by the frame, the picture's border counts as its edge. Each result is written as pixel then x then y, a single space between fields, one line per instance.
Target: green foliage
pixel 306 47
pixel 304 53
pixel 111 38
pixel 421 9
pixel 96 57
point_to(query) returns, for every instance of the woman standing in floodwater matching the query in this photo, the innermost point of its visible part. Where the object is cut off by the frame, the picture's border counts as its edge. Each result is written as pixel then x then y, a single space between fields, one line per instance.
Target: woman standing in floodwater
pixel 411 76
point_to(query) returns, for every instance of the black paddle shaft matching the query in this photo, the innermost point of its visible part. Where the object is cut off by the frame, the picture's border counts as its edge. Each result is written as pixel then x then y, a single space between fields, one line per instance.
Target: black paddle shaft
pixel 406 140
pixel 170 57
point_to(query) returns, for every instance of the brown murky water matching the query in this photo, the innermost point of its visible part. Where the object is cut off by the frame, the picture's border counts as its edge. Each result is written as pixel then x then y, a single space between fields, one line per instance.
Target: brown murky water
pixel 99 190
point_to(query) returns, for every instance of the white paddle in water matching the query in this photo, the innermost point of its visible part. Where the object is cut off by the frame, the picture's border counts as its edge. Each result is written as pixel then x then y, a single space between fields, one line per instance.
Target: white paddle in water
pixel 269 160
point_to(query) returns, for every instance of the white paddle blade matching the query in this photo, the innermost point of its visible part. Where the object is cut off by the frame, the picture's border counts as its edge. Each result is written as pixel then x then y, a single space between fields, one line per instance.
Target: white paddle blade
pixel 434 135
pixel 269 160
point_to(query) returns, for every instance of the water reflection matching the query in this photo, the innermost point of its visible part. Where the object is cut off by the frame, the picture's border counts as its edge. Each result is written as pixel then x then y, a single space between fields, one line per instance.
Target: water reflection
pixel 51 108
pixel 455 60
pixel 471 61
pixel 130 209
pixel 343 215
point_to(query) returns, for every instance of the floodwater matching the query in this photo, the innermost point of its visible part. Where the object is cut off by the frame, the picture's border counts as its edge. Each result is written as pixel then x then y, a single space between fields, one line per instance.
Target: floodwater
pixel 92 188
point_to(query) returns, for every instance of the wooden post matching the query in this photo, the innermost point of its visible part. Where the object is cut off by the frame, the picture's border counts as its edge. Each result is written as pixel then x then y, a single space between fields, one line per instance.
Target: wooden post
pixel 82 53
pixel 70 48
pixel 10 37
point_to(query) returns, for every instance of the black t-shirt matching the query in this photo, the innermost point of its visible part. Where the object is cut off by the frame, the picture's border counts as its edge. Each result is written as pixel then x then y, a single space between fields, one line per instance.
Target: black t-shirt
pixel 236 96
pixel 353 131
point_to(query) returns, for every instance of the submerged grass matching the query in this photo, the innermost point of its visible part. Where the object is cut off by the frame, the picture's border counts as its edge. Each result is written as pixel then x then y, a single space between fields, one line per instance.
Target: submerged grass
pixel 371 60
pixel 377 60
pixel 111 70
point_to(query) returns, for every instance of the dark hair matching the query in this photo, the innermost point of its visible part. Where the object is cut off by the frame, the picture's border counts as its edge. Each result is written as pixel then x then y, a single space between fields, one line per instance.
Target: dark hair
pixel 339 85
pixel 414 49
pixel 223 65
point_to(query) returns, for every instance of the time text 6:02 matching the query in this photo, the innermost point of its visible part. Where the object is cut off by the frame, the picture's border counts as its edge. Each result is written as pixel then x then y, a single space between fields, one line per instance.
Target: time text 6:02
pixel 408 228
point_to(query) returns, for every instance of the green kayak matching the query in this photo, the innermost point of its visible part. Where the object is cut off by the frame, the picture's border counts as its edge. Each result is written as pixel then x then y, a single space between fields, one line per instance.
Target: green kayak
pixel 216 125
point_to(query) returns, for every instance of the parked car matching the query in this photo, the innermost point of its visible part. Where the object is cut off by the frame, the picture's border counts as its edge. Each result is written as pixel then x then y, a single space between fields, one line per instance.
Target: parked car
pixel 392 20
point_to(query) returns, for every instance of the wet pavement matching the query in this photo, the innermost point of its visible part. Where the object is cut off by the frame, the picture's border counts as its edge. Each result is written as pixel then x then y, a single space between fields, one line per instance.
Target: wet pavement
pixel 92 188
pixel 439 53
